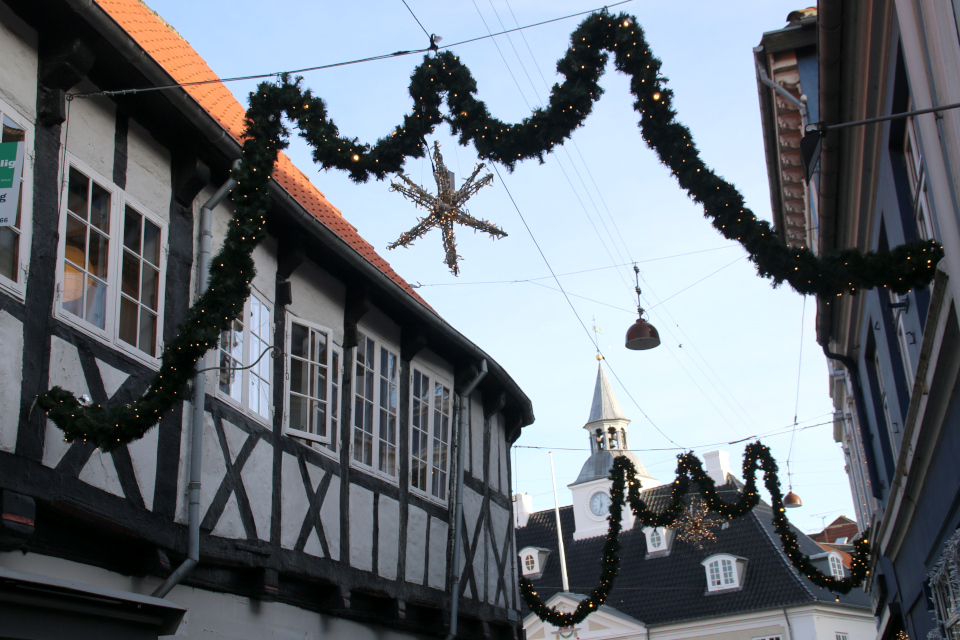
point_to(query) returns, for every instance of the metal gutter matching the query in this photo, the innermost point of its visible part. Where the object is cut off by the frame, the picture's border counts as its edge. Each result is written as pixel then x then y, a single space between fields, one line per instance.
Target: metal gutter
pixel 387 289
pixel 199 401
pixel 829 22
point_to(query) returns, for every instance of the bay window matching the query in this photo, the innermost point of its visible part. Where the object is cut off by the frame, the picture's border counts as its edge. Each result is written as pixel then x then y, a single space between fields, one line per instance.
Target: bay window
pixel 15 233
pixel 431 409
pixel 112 265
pixel 242 343
pixel 376 405
pixel 312 383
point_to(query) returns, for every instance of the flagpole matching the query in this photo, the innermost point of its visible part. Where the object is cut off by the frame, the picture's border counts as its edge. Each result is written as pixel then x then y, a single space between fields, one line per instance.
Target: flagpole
pixel 556 512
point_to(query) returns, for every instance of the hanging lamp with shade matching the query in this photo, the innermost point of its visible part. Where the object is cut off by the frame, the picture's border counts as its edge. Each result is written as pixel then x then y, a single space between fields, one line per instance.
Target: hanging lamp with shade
pixel 791 500
pixel 641 335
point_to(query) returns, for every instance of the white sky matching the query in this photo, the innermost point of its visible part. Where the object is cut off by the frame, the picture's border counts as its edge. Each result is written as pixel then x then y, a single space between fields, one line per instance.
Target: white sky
pixel 736 373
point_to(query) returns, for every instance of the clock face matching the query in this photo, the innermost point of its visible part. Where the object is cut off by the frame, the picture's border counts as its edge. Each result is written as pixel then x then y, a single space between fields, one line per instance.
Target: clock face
pixel 600 503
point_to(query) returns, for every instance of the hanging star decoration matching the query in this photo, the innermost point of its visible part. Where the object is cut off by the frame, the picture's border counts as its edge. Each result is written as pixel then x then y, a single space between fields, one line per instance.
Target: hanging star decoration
pixel 696 526
pixel 446 208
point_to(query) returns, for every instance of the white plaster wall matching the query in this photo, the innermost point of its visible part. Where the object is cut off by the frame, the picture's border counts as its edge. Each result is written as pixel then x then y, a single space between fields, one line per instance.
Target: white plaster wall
pixel 499 526
pixel 380 324
pixel 493 472
pixel 293 502
pixel 257 476
pixel 11 378
pixel 65 371
pixel 388 539
pixel 18 73
pixel 416 544
pixel 92 129
pixel 437 575
pixel 210 615
pixel 214 468
pixel 149 178
pixel 361 528
pixel 430 360
pixel 330 517
pixel 318 297
pixel 472 503
pixel 143 455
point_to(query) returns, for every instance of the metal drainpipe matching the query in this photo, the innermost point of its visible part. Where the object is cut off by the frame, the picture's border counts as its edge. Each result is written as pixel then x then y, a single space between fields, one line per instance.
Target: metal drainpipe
pixel 463 398
pixel 199 399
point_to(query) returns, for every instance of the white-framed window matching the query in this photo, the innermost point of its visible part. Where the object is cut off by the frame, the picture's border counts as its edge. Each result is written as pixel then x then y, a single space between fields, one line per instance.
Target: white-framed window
pixel 893 427
pixel 532 561
pixel 768 638
pixel 15 238
pixel 658 538
pixel 376 398
pixel 840 636
pixel 724 572
pixel 241 345
pixel 529 563
pixel 913 158
pixel 112 264
pixel 836 566
pixel 312 392
pixel 431 419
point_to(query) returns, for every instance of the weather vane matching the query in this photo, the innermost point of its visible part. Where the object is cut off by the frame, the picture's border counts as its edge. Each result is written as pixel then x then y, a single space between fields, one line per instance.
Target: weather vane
pixel 446 208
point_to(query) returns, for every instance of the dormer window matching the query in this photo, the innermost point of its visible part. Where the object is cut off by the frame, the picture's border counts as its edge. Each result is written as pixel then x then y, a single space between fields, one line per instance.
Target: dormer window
pixel 532 562
pixel 724 572
pixel 658 540
pixel 836 566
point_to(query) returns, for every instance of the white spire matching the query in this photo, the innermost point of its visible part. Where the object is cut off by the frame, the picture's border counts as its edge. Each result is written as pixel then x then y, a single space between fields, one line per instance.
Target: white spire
pixel 605 405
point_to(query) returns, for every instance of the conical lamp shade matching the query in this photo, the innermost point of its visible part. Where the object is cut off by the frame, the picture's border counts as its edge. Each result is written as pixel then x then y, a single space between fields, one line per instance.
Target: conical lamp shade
pixel 642 335
pixel 792 501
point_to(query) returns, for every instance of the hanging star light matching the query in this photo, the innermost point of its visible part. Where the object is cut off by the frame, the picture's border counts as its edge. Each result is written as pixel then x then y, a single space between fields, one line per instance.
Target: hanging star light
pixel 696 526
pixel 446 208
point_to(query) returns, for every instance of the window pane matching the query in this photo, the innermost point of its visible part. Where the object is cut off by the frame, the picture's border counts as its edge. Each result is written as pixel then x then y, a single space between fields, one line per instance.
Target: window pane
pixel 299 346
pixel 151 242
pixel 96 310
pixel 130 278
pixel 77 193
pixel 100 208
pixel 298 376
pixel 76 242
pixel 298 413
pixel 12 132
pixel 72 290
pixel 131 230
pixel 149 295
pixel 9 253
pixel 319 418
pixel 98 257
pixel 128 321
pixel 148 332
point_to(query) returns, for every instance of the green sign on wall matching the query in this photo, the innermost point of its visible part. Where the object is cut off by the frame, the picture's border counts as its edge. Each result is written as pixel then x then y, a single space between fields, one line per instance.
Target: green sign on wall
pixel 11 168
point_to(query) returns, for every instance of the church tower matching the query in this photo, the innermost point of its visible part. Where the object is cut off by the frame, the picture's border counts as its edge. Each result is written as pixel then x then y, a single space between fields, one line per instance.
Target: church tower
pixel 607 430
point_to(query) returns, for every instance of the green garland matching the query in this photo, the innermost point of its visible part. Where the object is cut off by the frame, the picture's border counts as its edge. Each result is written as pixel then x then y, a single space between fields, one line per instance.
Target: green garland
pixel 443 76
pixel 689 468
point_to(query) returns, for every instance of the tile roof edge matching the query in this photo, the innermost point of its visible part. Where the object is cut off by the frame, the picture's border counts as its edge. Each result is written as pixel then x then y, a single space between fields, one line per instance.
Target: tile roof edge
pixel 778 550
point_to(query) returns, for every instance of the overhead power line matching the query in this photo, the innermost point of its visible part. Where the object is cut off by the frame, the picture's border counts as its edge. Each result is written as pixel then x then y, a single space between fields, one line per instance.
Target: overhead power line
pixel 274 74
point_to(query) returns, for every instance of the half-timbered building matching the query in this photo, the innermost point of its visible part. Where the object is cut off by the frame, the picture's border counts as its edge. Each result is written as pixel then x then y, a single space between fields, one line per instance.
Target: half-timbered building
pixel 341 425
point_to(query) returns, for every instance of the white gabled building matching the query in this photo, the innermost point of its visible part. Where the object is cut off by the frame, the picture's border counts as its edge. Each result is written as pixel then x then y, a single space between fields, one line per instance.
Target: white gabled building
pixel 739 587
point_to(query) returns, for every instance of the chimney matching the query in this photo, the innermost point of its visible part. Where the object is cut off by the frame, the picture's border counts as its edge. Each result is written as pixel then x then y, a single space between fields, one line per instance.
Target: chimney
pixel 718 465
pixel 522 508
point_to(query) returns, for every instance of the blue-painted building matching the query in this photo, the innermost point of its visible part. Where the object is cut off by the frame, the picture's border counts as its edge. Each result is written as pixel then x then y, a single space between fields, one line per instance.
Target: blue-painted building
pixel 894 360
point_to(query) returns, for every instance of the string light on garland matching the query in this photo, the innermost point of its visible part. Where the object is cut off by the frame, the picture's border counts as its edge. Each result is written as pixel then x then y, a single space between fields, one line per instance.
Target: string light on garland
pixel 756 456
pixel 696 525
pixel 444 77
pixel 446 208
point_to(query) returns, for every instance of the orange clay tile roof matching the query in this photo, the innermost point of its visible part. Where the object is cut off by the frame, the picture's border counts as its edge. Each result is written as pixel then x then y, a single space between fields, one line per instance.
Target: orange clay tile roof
pixel 845 557
pixel 179 59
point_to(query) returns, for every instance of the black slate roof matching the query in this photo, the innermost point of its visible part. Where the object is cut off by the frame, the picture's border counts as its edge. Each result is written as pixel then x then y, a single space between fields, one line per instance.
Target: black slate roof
pixel 673 588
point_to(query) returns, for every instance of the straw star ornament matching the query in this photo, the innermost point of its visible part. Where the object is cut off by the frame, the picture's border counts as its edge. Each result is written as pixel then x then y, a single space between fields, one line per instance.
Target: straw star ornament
pixel 446 208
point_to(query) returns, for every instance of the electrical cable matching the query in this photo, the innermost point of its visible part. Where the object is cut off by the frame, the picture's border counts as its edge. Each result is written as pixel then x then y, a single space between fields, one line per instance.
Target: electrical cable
pixel 395 54
pixel 572 308
pixel 427 33
pixel 712 273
